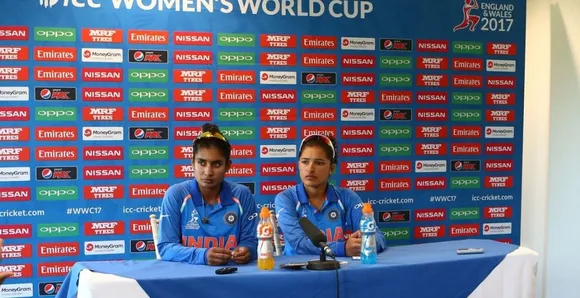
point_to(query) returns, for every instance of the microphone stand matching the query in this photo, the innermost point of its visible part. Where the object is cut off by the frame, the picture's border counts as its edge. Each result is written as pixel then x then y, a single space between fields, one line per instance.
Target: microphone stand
pixel 323 264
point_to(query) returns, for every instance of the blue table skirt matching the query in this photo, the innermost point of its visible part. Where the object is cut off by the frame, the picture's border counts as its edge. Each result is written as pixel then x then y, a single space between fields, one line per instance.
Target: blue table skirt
pixel 429 270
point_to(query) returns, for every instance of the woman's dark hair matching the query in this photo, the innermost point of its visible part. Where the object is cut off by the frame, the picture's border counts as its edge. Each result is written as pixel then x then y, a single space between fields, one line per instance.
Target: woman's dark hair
pixel 211 136
pixel 320 142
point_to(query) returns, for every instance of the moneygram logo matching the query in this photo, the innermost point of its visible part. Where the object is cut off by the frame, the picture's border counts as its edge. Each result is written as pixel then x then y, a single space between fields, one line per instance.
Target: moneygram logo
pixel 236 58
pixel 58 230
pixel 357 43
pixel 278 78
pixel 236 40
pixel 148 76
pixel 57 193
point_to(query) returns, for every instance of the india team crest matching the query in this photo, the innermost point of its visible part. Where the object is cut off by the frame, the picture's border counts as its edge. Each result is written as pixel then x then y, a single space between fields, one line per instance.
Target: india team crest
pixel 230 218
pixel 333 215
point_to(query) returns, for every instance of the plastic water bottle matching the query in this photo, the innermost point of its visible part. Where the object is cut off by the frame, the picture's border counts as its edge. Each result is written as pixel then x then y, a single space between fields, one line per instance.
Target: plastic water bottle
pixel 276 235
pixel 265 243
pixel 368 228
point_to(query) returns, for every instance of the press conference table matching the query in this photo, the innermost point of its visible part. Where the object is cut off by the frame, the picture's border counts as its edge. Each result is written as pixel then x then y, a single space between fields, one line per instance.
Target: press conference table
pixel 430 270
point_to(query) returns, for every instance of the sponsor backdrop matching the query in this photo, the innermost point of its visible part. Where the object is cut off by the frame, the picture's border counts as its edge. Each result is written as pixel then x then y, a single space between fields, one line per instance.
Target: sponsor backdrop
pixel 100 100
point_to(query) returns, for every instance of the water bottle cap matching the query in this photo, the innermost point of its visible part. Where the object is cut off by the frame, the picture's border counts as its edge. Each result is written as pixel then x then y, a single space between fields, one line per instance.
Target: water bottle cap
pixel 265 212
pixel 367 208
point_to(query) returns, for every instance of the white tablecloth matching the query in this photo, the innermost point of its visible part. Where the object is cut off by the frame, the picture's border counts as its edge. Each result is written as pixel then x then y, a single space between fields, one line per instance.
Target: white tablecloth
pixel 514 277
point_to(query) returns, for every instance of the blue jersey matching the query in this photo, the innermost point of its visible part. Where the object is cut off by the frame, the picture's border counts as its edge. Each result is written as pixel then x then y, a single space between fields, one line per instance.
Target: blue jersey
pixel 188 227
pixel 338 218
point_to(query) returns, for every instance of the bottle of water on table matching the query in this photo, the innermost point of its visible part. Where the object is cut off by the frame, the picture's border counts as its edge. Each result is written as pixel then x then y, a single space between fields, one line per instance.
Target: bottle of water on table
pixel 368 228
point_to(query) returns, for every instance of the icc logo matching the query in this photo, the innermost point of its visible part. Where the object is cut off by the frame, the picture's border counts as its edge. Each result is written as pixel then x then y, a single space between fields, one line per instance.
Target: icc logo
pixel 48 3
pixel 469 20
pixel 65 3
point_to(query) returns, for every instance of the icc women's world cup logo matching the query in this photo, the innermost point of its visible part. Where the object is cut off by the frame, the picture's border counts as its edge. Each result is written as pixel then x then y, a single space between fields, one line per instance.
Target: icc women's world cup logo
pixel 469 20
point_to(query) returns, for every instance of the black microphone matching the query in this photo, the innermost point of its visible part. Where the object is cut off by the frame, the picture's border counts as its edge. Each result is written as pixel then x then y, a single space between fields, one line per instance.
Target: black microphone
pixel 315 235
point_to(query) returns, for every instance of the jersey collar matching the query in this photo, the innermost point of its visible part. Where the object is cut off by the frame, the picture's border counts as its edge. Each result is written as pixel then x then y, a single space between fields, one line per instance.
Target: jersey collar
pixel 303 197
pixel 224 199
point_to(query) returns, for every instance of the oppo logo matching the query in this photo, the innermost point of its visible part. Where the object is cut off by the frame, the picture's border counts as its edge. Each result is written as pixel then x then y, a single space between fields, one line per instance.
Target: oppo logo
pixel 236 58
pixel 57 193
pixel 148 152
pixel 142 172
pixel 395 132
pixel 470 47
pixel 148 94
pixel 236 39
pixel 236 114
pixel 56 113
pixel 55 33
pixel 398 233
pixel 395 149
pixel 238 132
pixel 148 75
pixel 465 213
pixel 465 182
pixel 396 79
pixel 466 97
pixel 319 96
pixel 58 230
pixel 391 61
pixel 251 217
pixel 466 114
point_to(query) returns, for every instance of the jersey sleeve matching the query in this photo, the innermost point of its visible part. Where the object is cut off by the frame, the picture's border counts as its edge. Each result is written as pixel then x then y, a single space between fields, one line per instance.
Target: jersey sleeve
pixel 354 215
pixel 169 244
pixel 249 223
pixel 294 236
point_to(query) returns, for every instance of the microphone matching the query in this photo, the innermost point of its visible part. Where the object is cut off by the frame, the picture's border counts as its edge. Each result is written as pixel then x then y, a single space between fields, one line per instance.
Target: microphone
pixel 315 235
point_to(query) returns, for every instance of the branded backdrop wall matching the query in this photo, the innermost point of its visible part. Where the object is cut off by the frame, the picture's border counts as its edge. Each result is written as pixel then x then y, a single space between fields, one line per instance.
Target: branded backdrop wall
pixel 99 102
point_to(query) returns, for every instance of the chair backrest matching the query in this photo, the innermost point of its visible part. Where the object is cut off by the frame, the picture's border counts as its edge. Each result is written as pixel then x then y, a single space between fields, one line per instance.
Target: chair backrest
pixel 155 233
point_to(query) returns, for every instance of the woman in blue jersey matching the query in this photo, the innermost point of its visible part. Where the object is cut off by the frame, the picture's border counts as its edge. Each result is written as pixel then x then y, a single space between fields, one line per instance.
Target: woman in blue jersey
pixel 208 220
pixel 336 211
